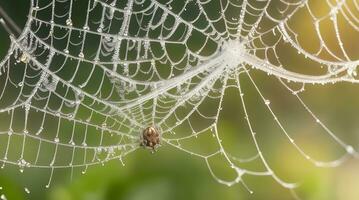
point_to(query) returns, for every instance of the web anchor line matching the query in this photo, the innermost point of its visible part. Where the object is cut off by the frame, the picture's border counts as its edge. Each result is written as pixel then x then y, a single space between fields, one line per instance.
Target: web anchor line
pixel 87 81
pixel 8 23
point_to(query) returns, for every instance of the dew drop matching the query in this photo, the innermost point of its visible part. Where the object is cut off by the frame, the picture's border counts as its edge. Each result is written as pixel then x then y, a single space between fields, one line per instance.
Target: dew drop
pixel 267 102
pixel 27 190
pixel 69 22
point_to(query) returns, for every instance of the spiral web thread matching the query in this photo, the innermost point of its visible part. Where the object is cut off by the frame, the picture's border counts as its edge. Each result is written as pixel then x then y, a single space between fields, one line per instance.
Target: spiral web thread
pixel 80 84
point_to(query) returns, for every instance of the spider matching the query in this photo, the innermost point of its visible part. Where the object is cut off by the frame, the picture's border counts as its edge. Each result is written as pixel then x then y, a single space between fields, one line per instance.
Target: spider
pixel 25 58
pixel 150 138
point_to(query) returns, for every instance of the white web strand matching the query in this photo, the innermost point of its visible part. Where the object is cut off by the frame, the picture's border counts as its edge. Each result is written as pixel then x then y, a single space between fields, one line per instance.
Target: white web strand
pixel 88 86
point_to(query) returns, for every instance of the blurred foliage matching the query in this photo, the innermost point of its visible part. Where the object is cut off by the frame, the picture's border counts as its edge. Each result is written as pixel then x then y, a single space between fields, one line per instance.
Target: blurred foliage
pixel 170 174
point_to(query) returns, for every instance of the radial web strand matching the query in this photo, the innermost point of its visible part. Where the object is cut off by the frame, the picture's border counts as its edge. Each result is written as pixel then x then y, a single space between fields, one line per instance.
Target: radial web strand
pixel 79 85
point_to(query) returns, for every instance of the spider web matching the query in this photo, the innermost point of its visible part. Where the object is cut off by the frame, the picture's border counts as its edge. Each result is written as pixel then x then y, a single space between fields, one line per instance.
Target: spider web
pixel 81 84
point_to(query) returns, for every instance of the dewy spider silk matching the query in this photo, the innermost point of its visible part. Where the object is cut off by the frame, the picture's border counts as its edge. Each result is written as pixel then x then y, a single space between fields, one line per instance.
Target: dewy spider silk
pixel 85 83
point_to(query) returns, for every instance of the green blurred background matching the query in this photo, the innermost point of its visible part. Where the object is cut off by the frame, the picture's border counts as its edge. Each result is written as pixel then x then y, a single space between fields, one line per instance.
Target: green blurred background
pixel 171 174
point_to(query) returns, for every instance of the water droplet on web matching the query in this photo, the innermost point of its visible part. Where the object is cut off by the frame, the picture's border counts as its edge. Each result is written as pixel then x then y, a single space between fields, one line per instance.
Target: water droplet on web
pixel 22 164
pixel 267 102
pixel 27 190
pixel 81 55
pixel 350 149
pixel 69 22
pixel 27 106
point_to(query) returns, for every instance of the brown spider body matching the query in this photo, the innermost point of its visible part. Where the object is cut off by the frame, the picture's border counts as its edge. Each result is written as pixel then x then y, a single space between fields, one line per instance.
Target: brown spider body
pixel 150 138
